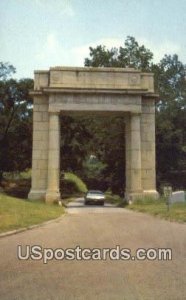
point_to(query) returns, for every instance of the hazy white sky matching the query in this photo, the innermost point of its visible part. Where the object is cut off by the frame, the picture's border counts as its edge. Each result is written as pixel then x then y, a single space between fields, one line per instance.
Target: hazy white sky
pixel 37 34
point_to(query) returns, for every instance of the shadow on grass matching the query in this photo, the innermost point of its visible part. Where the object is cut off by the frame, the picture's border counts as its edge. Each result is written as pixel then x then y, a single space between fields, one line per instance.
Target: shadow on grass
pixel 18 188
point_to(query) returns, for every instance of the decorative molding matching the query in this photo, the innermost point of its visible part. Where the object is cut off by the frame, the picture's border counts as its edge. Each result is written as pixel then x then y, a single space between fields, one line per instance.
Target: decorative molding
pixel 134 79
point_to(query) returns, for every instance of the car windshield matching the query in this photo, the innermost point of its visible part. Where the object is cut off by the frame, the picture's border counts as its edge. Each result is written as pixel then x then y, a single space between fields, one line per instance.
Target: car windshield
pixel 95 192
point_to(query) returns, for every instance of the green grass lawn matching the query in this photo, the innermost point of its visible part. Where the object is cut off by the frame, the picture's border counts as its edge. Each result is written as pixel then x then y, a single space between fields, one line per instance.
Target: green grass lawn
pixel 177 212
pixel 17 213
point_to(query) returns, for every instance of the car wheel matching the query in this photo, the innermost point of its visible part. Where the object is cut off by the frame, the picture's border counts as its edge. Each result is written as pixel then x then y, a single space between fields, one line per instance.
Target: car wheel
pixel 101 203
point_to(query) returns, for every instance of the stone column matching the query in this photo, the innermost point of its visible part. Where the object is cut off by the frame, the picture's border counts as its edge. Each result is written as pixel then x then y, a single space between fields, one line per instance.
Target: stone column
pixel 127 155
pixel 133 157
pixel 39 148
pixel 148 147
pixel 53 193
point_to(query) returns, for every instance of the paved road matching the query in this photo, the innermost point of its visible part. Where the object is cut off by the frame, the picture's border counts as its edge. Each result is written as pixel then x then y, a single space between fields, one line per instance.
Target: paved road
pixel 111 279
pixel 77 207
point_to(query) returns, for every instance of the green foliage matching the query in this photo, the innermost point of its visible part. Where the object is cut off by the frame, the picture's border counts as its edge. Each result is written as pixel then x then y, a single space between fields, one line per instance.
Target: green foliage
pixel 132 56
pixel 170 83
pixel 6 70
pixel 93 173
pixel 15 121
pixel 17 175
pixel 106 144
pixel 114 199
pixel 74 138
pixel 170 121
pixel 71 184
pixel 93 167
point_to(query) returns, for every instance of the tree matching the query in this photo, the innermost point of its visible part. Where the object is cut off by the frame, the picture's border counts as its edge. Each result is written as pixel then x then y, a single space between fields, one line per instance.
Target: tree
pixel 109 137
pixel 132 56
pixel 74 140
pixel 15 121
pixel 170 121
pixel 106 144
pixel 6 71
pixel 170 83
pixel 16 128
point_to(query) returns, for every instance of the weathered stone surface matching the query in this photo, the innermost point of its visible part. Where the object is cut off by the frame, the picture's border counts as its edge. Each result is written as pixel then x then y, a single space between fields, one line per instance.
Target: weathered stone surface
pixel 125 92
pixel 94 78
pixel 52 193
pixel 177 197
pixel 39 149
pixel 95 102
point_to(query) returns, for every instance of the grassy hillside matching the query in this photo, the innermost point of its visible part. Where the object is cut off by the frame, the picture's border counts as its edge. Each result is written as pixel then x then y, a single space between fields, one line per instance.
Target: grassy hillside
pixel 18 213
pixel 176 212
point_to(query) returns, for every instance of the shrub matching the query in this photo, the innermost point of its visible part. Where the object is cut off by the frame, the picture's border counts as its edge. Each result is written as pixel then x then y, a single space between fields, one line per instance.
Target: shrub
pixel 72 184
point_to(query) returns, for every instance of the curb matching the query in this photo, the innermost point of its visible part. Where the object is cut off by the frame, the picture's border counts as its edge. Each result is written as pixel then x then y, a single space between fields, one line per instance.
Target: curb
pixel 16 231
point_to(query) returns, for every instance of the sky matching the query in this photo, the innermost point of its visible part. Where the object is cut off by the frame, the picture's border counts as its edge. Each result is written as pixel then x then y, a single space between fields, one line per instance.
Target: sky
pixel 39 34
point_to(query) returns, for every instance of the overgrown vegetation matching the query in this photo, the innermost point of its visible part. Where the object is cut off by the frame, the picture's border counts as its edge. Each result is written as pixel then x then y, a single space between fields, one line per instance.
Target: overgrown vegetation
pixel 17 213
pixel 72 185
pixel 15 121
pixel 115 199
pixel 176 212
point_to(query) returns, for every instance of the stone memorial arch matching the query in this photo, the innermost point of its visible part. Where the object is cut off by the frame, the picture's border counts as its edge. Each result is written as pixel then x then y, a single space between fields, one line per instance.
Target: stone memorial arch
pixel 63 90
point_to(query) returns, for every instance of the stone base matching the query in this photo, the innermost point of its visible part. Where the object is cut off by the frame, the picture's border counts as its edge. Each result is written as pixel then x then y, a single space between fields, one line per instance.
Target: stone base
pixel 52 196
pixel 130 197
pixel 37 194
pixel 151 193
